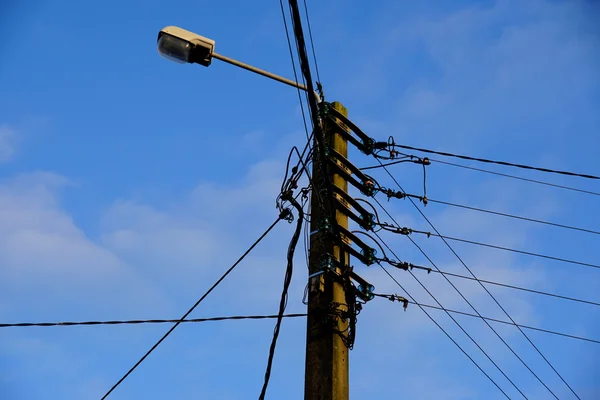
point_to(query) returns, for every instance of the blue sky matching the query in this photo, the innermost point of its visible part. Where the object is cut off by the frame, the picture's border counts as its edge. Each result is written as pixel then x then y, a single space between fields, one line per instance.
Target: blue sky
pixel 128 184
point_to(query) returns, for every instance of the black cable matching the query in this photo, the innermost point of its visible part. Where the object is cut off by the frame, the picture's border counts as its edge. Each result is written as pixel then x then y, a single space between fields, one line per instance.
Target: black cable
pixel 312 44
pixel 284 294
pixel 470 305
pixel 508 164
pixel 484 288
pixel 575 228
pixel 145 321
pixel 403 160
pixel 501 321
pixel 528 253
pixel 516 177
pixel 446 333
pixel 279 218
pixel 321 159
pixel 425 200
pixel 517 287
pixel 287 35
pixel 456 322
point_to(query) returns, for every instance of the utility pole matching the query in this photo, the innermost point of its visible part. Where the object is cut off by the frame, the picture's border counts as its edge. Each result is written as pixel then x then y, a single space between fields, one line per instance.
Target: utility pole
pixel 326 374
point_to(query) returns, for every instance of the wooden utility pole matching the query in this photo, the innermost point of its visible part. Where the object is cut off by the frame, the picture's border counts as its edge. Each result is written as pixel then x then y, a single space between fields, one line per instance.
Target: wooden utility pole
pixel 326 375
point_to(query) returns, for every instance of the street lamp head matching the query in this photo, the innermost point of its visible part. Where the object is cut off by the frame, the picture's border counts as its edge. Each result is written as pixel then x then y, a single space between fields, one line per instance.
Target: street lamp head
pixel 183 46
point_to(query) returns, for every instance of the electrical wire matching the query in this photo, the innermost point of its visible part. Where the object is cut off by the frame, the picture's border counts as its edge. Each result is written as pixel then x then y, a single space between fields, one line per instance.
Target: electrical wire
pixel 281 216
pixel 403 160
pixel 499 321
pixel 505 163
pixel 517 177
pixel 458 324
pixel 516 287
pixel 287 35
pixel 483 286
pixel 444 331
pixel 144 321
pixel 575 228
pixel 312 44
pixel 511 250
pixel 470 305
pixel 284 294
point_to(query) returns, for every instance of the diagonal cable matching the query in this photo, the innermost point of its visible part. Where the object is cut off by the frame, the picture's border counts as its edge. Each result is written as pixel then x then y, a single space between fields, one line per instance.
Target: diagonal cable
pixel 279 218
pixel 447 334
pixel 455 321
pixel 287 34
pixel 484 287
pixel 284 294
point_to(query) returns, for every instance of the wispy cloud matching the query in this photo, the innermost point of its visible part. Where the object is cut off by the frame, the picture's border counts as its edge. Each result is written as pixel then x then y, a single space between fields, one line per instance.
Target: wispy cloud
pixel 7 143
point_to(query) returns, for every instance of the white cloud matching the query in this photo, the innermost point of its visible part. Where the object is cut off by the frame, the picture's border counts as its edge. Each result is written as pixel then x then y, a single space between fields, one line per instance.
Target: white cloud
pixel 7 143
pixel 43 252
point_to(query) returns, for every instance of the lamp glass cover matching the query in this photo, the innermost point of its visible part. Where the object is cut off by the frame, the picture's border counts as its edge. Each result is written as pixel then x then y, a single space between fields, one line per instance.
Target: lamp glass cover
pixel 174 49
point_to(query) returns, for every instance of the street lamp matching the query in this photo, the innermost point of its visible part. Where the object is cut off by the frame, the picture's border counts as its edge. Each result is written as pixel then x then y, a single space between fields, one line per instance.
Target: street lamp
pixel 182 46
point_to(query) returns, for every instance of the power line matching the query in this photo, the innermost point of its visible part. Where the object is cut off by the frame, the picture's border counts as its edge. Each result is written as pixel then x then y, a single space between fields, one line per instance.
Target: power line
pixel 517 177
pixel 528 253
pixel 426 200
pixel 446 333
pixel 281 216
pixel 517 288
pixel 407 231
pixel 447 203
pixel 483 286
pixel 505 163
pixel 294 67
pixel 470 305
pixel 145 321
pixel 312 44
pixel 284 294
pixel 504 322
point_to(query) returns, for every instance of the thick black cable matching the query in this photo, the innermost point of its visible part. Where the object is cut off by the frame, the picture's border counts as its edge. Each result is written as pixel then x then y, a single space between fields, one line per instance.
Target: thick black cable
pixel 145 321
pixel 505 163
pixel 321 160
pixel 517 177
pixel 303 57
pixel 312 44
pixel 444 331
pixel 287 35
pixel 575 228
pixel 279 218
pixel 284 294
pixel 484 287
pixel 456 322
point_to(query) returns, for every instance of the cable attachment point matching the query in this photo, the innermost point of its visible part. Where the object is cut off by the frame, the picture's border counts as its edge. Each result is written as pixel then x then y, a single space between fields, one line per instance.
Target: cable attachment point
pixel 368 221
pixel 365 292
pixel 369 146
pixel 395 297
pixel 320 91
pixel 368 188
pixel 329 263
pixel 369 254
pixel 286 214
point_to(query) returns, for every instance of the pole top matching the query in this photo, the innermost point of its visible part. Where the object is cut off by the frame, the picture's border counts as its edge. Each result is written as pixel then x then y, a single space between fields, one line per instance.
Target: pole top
pixel 339 107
